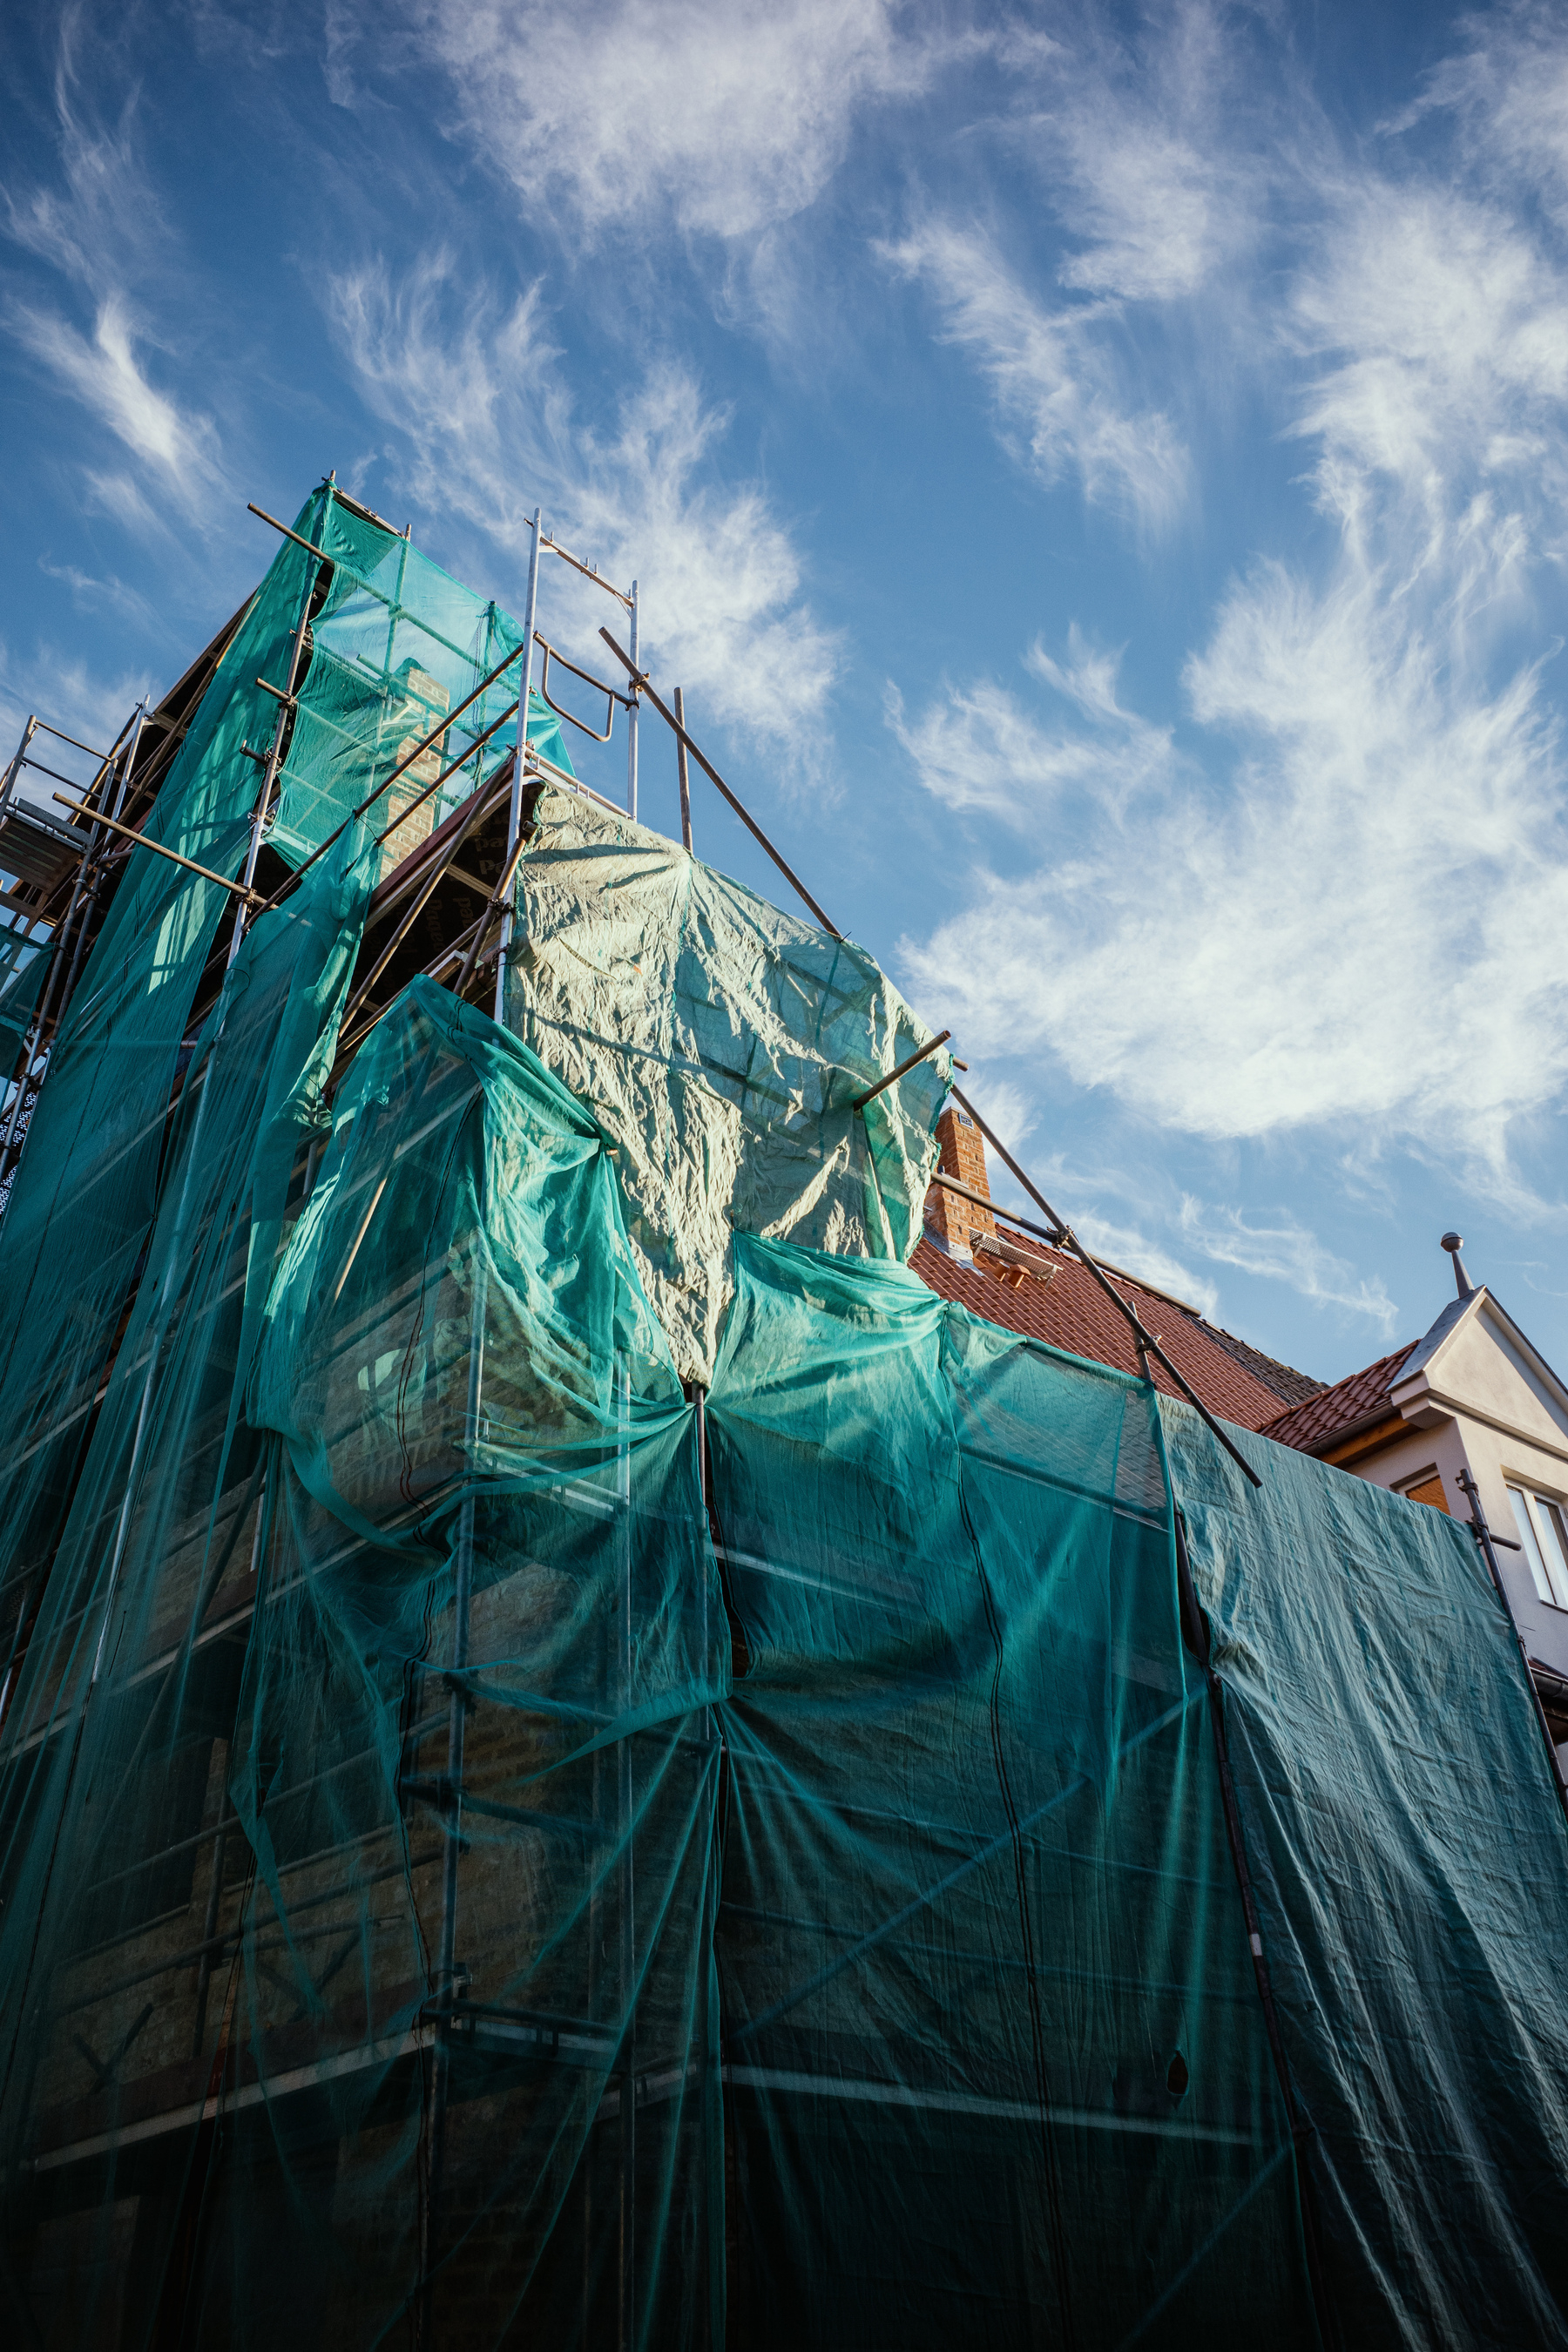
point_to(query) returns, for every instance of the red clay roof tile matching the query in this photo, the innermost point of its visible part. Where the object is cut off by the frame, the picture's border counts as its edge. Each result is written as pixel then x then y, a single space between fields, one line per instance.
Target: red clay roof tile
pixel 1359 1397
pixel 1070 1311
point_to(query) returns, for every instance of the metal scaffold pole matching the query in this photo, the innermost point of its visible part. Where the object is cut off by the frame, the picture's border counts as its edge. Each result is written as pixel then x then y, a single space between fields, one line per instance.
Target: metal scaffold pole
pixel 632 713
pixel 514 809
pixel 681 770
pixel 19 761
pixel 626 1811
pixel 84 891
pixel 286 709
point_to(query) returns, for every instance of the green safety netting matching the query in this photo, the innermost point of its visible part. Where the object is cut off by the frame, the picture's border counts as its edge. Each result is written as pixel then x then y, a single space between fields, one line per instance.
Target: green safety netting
pixel 24 966
pixel 995 2064
pixel 132 1499
pixel 462 1882
pixel 494 1560
pixel 1411 1865
pixel 75 1230
pixel 83 1199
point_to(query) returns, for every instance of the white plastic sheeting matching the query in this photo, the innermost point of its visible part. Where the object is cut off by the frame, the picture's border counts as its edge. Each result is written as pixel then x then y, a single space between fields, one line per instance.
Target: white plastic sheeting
pixel 721 1045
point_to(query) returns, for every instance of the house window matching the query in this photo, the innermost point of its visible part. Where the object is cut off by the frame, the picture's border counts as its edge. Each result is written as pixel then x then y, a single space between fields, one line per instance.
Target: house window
pixel 1545 1541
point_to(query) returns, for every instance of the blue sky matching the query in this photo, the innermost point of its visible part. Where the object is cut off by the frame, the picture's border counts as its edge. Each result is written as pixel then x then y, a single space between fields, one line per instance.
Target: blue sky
pixel 1098 476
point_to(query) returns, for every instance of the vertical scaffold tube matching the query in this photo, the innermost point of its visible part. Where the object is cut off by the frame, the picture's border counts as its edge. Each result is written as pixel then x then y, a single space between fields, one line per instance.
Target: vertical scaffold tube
pixel 445 1989
pixel 682 772
pixel 15 770
pixel 274 758
pixel 83 893
pixel 626 1809
pixel 632 714
pixel 514 811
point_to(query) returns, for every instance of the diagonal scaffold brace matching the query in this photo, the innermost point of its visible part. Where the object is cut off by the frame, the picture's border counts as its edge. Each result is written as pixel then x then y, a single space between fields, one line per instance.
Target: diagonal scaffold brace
pixel 1061 1234
pixel 1146 1342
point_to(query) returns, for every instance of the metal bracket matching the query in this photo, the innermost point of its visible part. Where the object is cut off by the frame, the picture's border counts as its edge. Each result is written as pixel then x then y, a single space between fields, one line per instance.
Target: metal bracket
pixel 609 692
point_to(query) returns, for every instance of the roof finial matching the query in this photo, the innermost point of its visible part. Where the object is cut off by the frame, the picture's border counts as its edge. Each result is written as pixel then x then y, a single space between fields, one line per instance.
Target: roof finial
pixel 1454 1244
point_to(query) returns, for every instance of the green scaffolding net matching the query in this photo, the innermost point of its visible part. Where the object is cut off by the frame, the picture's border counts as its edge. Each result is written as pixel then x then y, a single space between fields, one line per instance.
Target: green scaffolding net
pixel 24 966
pixel 501 1843
pixel 994 2062
pixel 1409 1855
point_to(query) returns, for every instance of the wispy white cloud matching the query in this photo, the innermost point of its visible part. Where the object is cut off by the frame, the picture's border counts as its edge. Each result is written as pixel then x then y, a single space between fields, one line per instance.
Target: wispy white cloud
pixel 177 447
pixel 1154 1231
pixel 485 426
pixel 1363 925
pixel 1132 1249
pixel 1144 148
pixel 711 121
pixel 90 595
pixel 1285 1251
pixel 100 226
pixel 1441 328
pixel 1052 374
pixel 1339 899
pixel 102 218
pixel 982 751
pixel 1505 87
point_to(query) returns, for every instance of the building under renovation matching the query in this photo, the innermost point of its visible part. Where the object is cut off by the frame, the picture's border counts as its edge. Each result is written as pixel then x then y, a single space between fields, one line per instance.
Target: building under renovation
pixel 585 1758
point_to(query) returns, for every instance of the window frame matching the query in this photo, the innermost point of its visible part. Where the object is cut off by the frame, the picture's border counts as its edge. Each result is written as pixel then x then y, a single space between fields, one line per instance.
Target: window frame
pixel 1544 1539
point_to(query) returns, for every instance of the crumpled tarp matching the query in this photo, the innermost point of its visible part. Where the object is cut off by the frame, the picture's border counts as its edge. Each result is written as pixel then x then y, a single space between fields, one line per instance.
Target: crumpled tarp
pixel 996 2072
pixel 720 1045
pixel 1411 1866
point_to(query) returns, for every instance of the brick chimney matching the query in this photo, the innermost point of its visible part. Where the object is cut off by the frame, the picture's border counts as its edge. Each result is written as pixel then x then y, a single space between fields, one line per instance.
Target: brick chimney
pixel 949 1221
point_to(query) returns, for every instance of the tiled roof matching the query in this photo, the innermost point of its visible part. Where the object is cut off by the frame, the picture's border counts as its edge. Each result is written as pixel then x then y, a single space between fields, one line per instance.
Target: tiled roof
pixel 1359 1397
pixel 1289 1385
pixel 1070 1311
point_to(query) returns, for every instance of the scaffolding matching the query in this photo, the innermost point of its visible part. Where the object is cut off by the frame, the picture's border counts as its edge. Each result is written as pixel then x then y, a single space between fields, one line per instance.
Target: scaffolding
pixel 580 1759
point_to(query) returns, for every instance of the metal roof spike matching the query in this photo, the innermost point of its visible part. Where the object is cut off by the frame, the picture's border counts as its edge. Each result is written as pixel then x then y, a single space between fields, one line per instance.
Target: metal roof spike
pixel 1454 1244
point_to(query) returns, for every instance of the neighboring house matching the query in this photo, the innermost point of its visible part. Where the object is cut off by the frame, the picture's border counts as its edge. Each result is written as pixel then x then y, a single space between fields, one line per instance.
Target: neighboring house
pixel 1473 1395
pixel 967 1252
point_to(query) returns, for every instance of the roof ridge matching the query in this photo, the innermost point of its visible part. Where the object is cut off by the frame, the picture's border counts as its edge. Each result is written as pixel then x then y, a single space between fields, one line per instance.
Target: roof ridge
pixel 1302 1386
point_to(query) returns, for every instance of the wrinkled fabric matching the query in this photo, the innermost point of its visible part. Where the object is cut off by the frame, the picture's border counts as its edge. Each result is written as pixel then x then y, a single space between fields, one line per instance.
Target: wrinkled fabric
pixel 721 1045
pixel 994 2066
pixel 1411 1863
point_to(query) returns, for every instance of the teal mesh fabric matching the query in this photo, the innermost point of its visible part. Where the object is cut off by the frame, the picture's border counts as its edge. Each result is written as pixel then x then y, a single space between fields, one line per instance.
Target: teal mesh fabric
pixel 494 1523
pixel 435 1910
pixel 118 1736
pixel 356 1964
pixel 396 645
pixel 84 1195
pixel 996 2071
pixel 144 1507
pixel 1411 1863
pixel 24 964
pixel 84 1198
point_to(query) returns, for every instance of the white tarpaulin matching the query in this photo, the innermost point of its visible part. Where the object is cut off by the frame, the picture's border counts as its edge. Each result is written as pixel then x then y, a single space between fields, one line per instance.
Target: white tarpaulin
pixel 722 1045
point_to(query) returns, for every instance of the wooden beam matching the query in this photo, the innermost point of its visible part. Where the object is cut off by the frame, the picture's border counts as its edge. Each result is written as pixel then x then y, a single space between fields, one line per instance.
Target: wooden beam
pixel 1363 1442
